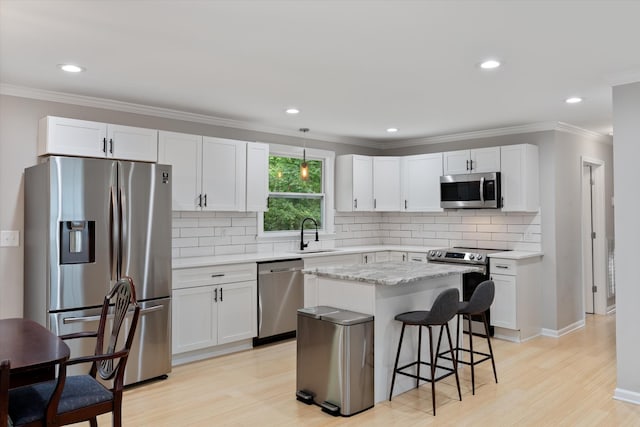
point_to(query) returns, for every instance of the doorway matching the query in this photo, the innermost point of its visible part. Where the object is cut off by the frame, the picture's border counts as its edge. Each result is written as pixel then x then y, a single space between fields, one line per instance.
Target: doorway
pixel 594 254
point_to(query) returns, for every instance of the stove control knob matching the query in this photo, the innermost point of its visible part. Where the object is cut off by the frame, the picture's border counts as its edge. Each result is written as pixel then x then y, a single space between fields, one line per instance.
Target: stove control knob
pixel 439 253
pixel 479 257
pixel 472 257
pixel 432 253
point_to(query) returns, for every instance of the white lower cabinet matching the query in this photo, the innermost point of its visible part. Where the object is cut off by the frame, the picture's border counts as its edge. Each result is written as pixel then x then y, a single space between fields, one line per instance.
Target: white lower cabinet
pixel 516 310
pixel 213 306
pixel 311 281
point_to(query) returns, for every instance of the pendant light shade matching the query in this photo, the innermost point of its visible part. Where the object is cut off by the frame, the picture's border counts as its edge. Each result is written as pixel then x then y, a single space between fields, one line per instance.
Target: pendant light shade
pixel 304 166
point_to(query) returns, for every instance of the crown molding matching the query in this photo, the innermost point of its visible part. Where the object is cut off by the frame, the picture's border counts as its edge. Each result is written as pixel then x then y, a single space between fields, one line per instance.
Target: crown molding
pixel 129 107
pixel 490 133
pixel 624 78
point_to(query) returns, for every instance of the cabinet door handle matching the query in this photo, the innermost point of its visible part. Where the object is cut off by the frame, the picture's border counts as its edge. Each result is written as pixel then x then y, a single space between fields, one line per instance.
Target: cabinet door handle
pixel 355 203
pixel 215 295
pixel 374 203
pixel 366 258
pixel 104 145
pixel 467 164
pixel 404 257
pixel 221 295
pixel 205 200
pixel 200 200
pixel 502 266
pixel 405 204
pixel 471 165
pixel 217 275
pixel 111 145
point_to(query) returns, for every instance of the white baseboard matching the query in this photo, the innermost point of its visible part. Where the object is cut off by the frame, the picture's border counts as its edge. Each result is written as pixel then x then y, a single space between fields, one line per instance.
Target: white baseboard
pixel 627 396
pixel 207 353
pixel 564 331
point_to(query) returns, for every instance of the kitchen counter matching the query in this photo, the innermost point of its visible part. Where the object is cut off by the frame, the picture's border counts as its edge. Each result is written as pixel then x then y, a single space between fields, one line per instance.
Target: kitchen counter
pixel 206 261
pixel 390 273
pixel 515 255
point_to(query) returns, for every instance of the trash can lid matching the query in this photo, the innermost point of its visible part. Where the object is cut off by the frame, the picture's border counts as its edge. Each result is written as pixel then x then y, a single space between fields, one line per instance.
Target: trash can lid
pixel 317 312
pixel 345 317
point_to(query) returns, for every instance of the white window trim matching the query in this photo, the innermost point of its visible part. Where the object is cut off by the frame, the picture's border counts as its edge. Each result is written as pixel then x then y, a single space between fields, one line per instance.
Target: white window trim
pixel 328 158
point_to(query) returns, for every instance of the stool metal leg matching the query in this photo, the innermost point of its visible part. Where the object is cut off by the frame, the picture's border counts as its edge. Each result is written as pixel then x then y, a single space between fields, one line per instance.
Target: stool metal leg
pixel 455 360
pixel 486 330
pixel 419 349
pixel 473 375
pixel 395 368
pixel 433 371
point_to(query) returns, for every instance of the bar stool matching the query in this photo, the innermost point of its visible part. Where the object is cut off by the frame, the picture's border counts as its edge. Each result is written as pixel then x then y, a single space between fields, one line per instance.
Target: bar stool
pixel 444 308
pixel 478 304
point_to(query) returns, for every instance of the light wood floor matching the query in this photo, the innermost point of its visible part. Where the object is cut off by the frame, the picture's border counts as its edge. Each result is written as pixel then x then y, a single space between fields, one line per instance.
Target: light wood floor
pixel 544 382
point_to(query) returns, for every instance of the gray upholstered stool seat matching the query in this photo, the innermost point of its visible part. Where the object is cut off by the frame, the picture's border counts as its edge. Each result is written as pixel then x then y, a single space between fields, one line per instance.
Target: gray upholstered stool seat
pixel 444 308
pixel 478 304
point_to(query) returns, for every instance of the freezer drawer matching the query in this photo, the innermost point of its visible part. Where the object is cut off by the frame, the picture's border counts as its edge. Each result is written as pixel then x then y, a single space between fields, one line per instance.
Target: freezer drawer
pixel 150 354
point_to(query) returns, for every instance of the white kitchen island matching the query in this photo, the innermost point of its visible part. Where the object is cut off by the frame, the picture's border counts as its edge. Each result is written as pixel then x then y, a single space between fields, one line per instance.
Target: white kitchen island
pixel 385 290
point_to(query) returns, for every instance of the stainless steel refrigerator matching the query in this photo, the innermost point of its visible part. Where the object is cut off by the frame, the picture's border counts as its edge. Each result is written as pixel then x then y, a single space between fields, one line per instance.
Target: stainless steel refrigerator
pixel 87 223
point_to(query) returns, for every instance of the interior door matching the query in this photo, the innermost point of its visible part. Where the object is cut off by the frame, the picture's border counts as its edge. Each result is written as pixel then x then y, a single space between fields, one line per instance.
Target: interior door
pixel 587 239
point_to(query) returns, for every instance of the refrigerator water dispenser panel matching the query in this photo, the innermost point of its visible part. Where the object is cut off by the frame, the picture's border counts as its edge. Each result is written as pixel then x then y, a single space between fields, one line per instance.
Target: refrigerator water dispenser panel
pixel 77 242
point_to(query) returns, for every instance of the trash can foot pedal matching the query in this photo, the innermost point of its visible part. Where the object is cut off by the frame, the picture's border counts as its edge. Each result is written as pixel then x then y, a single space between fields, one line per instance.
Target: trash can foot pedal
pixel 330 408
pixel 304 397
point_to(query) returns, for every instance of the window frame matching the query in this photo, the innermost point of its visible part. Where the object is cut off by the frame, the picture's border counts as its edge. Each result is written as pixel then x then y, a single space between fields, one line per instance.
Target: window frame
pixel 328 212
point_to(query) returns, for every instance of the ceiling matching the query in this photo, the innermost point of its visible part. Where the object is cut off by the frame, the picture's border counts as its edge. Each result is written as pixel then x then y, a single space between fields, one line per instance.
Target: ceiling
pixel 353 68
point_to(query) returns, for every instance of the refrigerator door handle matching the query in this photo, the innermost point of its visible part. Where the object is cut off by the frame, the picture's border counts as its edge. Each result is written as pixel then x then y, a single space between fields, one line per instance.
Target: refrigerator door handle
pixel 122 199
pixel 114 234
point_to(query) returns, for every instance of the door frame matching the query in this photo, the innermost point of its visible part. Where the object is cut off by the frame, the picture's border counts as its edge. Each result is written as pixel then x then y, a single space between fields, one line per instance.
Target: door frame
pixel 599 244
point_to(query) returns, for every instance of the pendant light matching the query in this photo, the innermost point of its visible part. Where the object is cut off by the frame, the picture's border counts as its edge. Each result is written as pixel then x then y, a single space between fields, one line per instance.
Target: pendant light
pixel 304 167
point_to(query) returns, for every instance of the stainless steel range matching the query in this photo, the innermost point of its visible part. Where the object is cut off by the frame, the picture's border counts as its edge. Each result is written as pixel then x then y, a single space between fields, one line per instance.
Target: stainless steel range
pixel 469 256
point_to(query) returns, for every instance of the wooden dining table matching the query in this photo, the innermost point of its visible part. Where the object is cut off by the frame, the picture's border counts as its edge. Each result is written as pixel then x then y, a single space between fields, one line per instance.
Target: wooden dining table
pixel 32 349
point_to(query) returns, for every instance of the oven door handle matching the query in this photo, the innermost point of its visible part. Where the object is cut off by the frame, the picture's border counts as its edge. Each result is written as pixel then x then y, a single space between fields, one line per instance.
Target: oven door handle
pixel 482 189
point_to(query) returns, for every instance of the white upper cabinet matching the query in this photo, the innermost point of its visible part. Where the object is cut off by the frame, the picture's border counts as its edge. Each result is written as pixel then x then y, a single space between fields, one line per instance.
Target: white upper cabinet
pixel 421 183
pixel 184 153
pixel 71 137
pixel 386 184
pixel 257 176
pixel 519 178
pixel 472 161
pixel 223 174
pixel 354 183
pixel 208 173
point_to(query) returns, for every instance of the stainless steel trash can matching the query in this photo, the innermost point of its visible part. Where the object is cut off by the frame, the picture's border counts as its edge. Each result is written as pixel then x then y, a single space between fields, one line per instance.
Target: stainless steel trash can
pixel 335 359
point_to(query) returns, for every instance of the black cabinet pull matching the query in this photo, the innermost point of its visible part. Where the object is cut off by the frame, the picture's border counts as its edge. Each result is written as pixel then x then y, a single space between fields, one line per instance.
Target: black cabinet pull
pixel 221 295
pixel 111 145
pixel 467 164
pixel 104 145
pixel 215 295
pixel 205 200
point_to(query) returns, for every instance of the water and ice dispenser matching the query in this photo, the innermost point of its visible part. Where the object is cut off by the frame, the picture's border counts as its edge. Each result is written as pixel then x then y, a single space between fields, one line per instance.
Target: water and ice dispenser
pixel 77 242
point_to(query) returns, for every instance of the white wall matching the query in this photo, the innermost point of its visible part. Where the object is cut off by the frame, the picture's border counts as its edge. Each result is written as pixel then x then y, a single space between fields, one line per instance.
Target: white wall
pixel 626 130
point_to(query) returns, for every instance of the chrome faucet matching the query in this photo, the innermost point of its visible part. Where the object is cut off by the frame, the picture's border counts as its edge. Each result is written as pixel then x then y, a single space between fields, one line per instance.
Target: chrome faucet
pixel 302 243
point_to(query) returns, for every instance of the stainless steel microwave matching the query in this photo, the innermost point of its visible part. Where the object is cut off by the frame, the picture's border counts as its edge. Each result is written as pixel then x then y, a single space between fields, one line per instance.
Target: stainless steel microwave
pixel 473 190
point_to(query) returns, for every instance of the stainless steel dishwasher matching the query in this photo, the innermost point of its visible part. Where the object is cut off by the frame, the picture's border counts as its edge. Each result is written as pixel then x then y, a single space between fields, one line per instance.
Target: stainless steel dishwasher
pixel 280 295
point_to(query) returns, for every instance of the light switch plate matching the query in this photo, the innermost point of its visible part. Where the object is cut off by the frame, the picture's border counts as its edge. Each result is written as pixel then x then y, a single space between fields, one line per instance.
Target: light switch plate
pixel 9 238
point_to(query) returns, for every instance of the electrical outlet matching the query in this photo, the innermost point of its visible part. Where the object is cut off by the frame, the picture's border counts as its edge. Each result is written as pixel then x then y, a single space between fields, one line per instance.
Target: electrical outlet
pixel 9 238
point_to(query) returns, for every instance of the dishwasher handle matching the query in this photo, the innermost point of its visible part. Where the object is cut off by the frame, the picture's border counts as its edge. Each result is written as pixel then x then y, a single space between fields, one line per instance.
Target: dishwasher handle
pixel 281 270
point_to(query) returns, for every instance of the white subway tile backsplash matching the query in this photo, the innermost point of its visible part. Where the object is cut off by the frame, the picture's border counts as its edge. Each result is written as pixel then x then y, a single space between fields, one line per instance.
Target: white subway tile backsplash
pixel 217 233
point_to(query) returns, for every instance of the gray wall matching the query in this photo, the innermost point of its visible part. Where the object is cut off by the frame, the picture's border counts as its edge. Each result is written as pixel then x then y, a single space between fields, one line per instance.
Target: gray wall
pixel 559 184
pixel 626 128
pixel 560 206
pixel 18 144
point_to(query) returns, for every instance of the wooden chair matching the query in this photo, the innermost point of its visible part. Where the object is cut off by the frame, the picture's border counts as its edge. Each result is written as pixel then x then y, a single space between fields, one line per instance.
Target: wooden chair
pixel 73 399
pixel 5 367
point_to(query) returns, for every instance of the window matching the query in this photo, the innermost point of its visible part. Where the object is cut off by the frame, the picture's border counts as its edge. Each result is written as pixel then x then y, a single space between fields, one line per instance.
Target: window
pixel 291 199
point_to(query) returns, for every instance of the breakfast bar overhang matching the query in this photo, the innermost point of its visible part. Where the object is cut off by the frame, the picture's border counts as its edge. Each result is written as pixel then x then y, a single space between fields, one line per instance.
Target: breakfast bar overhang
pixel 384 290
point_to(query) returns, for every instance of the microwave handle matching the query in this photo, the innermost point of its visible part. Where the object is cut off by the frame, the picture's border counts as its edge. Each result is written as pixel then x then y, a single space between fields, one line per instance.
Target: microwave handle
pixel 482 189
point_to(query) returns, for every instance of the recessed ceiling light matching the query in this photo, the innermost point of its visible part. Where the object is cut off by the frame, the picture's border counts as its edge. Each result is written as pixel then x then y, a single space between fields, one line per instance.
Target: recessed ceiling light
pixel 489 64
pixel 573 100
pixel 70 68
pixel 292 111
pixel 392 130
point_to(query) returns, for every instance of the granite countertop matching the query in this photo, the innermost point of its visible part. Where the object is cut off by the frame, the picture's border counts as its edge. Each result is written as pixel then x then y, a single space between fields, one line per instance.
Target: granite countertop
pixel 390 273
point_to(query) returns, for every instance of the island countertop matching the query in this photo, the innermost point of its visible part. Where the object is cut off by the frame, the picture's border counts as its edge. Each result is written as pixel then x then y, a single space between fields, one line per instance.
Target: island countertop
pixel 390 273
